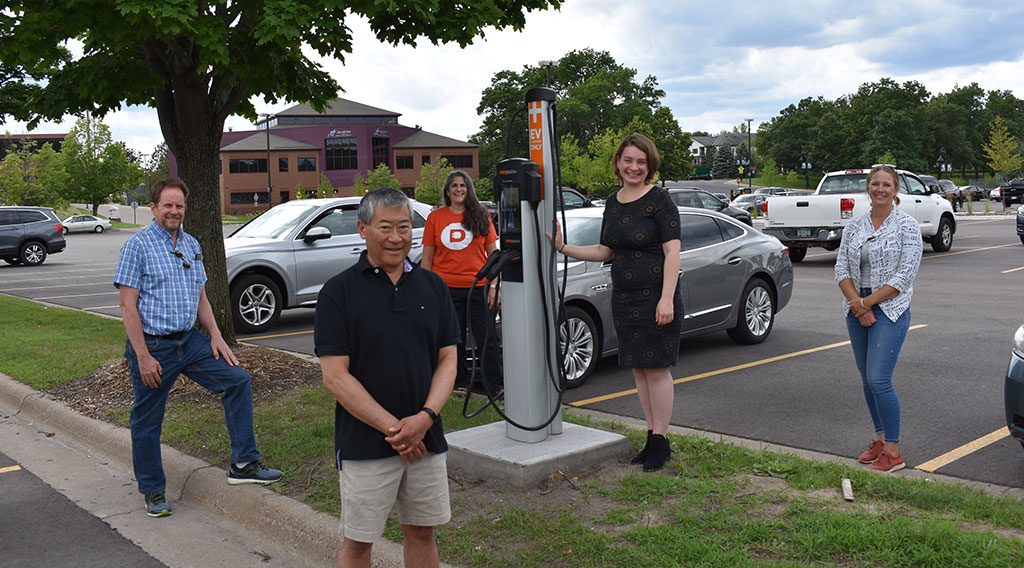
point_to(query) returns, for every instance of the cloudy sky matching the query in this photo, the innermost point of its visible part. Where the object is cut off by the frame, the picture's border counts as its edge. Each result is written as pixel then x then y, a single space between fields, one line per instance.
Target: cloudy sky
pixel 718 62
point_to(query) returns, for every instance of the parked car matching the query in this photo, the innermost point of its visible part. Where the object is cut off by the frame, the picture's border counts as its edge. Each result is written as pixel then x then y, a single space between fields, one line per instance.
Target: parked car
pixel 951 191
pixel 1013 388
pixel 85 224
pixel 721 196
pixel 282 258
pixel 817 220
pixel 749 202
pixel 29 234
pixel 694 197
pixel 773 191
pixel 1011 192
pixel 975 192
pixel 1020 224
pixel 734 279
pixel 573 200
pixel 996 194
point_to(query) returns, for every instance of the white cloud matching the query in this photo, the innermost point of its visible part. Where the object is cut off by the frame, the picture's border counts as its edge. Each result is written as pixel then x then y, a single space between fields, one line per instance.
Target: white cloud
pixel 718 62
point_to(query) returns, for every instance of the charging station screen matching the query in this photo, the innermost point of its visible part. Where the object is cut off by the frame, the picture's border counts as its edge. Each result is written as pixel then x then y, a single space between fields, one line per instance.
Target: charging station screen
pixel 510 205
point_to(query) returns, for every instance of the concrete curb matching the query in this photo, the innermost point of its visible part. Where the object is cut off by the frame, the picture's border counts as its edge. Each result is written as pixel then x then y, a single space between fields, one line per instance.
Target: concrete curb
pixel 311 535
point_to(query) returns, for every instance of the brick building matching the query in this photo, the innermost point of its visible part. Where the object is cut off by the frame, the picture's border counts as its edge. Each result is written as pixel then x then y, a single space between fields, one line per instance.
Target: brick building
pixel 293 147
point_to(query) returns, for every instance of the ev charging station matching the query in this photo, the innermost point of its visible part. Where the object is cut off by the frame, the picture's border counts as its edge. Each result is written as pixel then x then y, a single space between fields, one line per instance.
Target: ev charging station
pixel 526 204
pixel 531 445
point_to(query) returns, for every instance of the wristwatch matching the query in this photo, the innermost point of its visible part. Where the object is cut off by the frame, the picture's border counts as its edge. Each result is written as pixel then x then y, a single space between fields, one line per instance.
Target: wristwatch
pixel 430 412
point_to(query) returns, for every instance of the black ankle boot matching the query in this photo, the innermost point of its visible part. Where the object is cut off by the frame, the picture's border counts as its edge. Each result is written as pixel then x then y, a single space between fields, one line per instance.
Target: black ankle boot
pixel 639 458
pixel 658 453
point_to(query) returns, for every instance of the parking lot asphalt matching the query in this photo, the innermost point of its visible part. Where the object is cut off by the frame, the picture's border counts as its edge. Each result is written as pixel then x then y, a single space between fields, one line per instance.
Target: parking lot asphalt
pixel 799 388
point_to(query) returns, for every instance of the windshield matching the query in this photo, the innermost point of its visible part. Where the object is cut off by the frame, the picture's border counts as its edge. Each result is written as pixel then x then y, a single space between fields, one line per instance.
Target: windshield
pixel 582 231
pixel 276 223
pixel 845 183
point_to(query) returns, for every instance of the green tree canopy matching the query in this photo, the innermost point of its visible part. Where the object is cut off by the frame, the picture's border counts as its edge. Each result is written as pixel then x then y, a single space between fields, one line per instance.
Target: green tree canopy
pixel 595 93
pixel 1002 149
pixel 32 177
pixel 198 63
pixel 376 178
pixel 97 167
pixel 431 183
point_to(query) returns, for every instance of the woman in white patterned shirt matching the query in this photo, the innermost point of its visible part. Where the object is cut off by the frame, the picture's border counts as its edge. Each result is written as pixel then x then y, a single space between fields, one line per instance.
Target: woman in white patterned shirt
pixel 878 260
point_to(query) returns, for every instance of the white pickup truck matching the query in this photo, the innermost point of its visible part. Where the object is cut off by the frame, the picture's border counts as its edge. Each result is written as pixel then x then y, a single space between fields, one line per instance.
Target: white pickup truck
pixel 817 220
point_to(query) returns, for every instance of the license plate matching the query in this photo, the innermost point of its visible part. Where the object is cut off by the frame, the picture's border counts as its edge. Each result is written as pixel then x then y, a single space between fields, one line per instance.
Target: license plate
pixel 803 232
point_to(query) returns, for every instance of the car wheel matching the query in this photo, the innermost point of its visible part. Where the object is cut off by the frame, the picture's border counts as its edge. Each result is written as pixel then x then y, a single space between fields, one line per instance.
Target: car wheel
pixel 943 240
pixel 756 314
pixel 582 353
pixel 255 303
pixel 797 254
pixel 33 253
pixel 1021 239
pixel 17 261
pixel 64 230
pixel 98 229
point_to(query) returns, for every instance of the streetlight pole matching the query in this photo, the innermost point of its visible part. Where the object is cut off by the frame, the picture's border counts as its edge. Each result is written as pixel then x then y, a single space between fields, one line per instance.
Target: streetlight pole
pixel 750 154
pixel 270 187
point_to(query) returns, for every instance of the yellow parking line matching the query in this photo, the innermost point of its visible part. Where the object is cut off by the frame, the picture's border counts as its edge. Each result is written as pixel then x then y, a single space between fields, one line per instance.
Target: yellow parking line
pixel 1012 270
pixel 949 457
pixel 10 468
pixel 289 334
pixel 689 378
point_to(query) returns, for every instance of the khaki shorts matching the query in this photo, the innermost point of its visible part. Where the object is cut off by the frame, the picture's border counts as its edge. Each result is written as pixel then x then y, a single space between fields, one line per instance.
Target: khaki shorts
pixel 370 487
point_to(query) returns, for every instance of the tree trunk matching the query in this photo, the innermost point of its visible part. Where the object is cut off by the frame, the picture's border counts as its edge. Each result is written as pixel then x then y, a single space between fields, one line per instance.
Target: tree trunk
pixel 193 132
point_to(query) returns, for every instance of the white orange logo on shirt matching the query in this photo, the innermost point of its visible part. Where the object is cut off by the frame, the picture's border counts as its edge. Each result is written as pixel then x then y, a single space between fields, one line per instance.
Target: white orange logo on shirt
pixel 456 237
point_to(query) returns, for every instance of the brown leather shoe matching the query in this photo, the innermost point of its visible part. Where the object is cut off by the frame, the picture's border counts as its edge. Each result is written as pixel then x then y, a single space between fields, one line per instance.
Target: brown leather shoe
pixel 872 453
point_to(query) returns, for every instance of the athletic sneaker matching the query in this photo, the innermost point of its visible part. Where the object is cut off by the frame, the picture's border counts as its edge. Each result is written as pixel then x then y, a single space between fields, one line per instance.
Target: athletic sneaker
pixel 871 454
pixel 156 505
pixel 253 472
pixel 888 463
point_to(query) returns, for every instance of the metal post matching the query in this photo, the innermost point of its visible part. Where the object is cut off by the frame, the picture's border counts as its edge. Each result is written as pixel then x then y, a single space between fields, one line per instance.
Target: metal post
pixel 750 155
pixel 270 187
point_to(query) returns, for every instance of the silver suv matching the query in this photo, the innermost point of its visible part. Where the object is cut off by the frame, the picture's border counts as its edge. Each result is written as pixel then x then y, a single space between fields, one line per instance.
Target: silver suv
pixel 28 234
pixel 282 258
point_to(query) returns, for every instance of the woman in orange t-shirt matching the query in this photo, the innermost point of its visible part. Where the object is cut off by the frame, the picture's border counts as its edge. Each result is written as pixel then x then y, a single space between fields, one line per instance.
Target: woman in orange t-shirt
pixel 456 243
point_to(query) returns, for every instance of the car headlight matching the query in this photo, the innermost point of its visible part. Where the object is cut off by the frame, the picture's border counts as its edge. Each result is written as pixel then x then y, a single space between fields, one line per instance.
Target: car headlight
pixel 1018 339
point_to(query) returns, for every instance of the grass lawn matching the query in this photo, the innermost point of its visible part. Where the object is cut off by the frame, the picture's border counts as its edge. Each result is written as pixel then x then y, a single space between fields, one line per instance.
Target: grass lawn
pixel 716 504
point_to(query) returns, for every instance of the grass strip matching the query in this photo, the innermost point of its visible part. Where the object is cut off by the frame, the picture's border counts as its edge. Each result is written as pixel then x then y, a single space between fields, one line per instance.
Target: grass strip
pixel 716 504
pixel 46 346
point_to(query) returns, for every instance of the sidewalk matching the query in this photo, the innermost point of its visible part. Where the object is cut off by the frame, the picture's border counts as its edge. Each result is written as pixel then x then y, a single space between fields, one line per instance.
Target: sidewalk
pixel 214 524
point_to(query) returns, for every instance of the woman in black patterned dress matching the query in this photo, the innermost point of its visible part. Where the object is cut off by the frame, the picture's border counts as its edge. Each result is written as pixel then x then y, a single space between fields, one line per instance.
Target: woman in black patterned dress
pixel 640 233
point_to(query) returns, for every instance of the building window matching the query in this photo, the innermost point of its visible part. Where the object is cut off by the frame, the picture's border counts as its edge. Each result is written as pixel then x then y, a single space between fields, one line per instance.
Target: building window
pixel 307 164
pixel 341 153
pixel 380 152
pixel 403 162
pixel 282 164
pixel 245 197
pixel 425 159
pixel 459 160
pixel 247 165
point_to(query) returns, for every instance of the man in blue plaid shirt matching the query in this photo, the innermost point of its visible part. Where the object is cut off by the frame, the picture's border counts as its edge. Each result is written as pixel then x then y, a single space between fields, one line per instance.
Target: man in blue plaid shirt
pixel 161 282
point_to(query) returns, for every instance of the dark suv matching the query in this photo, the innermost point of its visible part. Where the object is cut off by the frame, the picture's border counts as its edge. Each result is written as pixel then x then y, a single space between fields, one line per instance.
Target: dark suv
pixel 696 197
pixel 28 234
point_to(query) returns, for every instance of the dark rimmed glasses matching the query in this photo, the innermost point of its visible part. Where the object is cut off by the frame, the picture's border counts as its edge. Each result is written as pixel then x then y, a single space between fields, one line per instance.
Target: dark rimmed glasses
pixel 184 263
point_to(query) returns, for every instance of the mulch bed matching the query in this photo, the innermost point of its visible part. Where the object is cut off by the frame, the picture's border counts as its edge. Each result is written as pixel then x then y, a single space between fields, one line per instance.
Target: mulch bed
pixel 274 374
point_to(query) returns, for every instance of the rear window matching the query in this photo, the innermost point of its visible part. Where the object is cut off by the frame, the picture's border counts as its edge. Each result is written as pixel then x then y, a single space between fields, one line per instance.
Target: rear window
pixel 844 183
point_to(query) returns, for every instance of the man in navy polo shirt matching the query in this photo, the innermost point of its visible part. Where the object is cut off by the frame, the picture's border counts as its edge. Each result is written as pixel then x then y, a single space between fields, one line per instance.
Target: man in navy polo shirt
pixel 161 282
pixel 386 334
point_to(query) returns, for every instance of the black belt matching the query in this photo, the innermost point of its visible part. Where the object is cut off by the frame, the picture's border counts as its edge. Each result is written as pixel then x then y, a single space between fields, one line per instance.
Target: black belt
pixel 172 336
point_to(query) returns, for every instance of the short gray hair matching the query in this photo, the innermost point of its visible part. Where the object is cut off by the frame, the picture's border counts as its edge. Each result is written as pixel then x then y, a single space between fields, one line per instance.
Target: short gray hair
pixel 382 197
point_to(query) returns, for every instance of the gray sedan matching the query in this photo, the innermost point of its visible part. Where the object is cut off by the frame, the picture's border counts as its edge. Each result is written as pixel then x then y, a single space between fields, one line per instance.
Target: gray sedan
pixel 85 224
pixel 734 279
pixel 282 258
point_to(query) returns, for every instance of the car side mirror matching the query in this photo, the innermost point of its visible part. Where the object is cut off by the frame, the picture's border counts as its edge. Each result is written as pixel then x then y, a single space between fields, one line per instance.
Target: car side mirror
pixel 315 234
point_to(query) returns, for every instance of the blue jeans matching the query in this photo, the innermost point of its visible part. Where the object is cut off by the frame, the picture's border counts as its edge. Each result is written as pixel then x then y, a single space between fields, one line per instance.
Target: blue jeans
pixel 876 349
pixel 193 356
